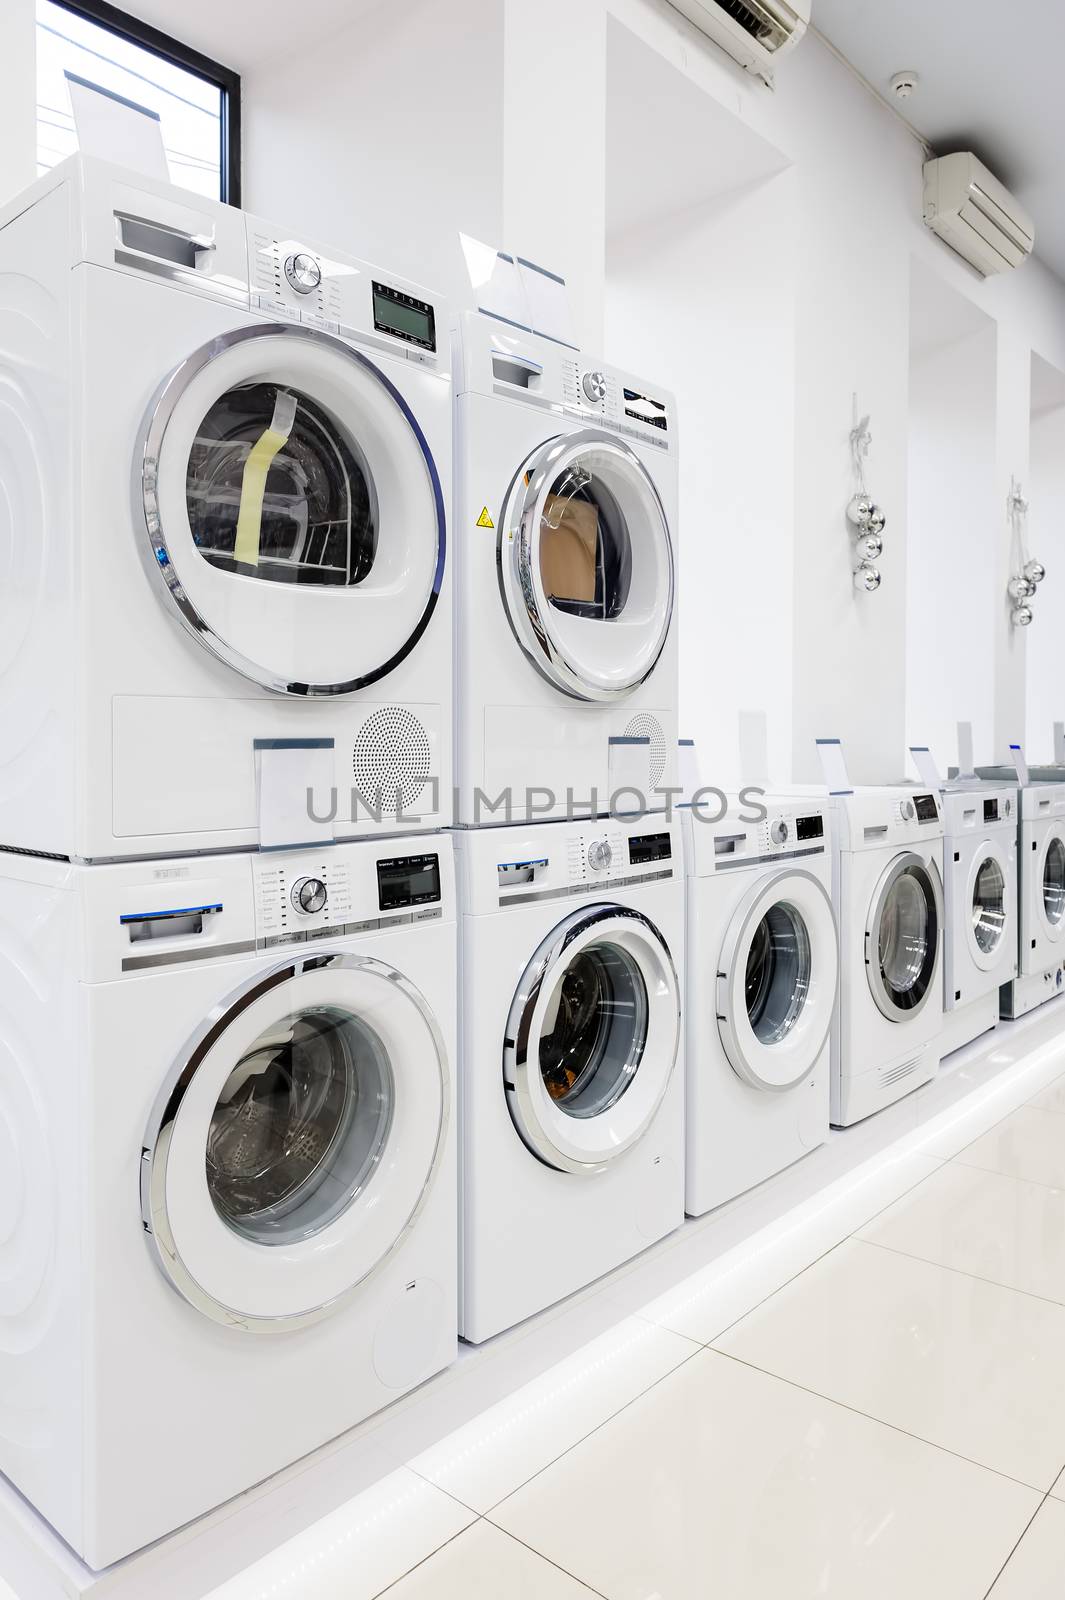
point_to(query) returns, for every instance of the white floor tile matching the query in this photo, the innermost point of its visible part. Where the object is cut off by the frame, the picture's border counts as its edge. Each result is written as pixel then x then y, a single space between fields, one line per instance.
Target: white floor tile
pixel 710 1301
pixel 725 1482
pixel 1029 1143
pixel 983 1223
pixel 961 1363
pixel 485 1564
pixel 358 1550
pixel 484 1461
pixel 1058 1491
pixel 1036 1570
pixel 1052 1098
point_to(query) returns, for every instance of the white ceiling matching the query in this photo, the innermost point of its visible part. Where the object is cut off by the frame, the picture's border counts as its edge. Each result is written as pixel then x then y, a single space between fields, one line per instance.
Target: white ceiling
pixel 991 82
pixel 243 34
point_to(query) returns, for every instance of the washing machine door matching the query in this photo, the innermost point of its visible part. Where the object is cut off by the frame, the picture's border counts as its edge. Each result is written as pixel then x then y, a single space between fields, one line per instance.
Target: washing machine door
pixel 592 1038
pixel 776 981
pixel 296 1140
pixel 1049 885
pixel 902 937
pixel 586 566
pixel 989 903
pixel 293 509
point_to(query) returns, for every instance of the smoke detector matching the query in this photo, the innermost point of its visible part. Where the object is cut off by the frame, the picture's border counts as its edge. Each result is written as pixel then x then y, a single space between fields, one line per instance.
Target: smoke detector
pixel 903 84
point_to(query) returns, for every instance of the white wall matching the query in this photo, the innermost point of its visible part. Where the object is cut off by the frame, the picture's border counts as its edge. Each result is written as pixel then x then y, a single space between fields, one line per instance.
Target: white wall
pixel 1045 490
pixel 18 97
pixel 955 525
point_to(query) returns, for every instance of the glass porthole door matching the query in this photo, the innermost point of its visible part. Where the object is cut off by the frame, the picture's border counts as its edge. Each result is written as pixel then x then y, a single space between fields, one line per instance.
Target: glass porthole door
pixel 293 510
pixel 778 970
pixel 586 566
pixel 592 1038
pixel 295 1141
pixel 1053 886
pixel 902 937
pixel 990 905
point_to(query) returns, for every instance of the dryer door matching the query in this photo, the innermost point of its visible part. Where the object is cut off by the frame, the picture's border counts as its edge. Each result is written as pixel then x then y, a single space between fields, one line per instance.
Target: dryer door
pixel 292 509
pixel 902 937
pixel 776 982
pixel 586 566
pixel 990 905
pixel 1050 884
pixel 296 1140
pixel 592 1038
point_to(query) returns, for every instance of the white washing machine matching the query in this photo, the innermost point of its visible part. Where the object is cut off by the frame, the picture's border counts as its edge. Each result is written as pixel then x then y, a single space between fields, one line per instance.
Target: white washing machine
pixel 566 519
pixel 224 464
pixel 888 890
pixel 228 1169
pixel 1041 870
pixel 981 903
pixel 762 968
pixel 572 1089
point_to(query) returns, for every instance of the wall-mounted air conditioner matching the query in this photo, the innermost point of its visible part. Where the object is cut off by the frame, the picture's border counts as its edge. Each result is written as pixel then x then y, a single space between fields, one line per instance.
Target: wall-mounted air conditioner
pixel 970 210
pixel 756 33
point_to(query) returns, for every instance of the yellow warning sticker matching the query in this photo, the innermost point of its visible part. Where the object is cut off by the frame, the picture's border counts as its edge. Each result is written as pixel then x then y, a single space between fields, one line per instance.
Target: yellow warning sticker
pixel 484 520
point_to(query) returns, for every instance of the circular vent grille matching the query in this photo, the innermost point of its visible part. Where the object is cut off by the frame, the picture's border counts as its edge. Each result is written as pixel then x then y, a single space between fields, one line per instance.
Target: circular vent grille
pixel 391 759
pixel 644 726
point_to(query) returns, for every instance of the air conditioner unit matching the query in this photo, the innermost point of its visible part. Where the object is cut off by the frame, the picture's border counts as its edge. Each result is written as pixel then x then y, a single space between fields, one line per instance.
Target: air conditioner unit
pixel 970 210
pixel 756 33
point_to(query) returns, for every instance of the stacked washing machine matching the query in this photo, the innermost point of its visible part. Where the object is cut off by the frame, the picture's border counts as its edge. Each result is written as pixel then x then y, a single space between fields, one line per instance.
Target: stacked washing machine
pixel 570 870
pixel 227 927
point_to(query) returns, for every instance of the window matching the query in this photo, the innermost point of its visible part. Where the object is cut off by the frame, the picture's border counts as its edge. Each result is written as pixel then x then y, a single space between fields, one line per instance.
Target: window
pixel 197 101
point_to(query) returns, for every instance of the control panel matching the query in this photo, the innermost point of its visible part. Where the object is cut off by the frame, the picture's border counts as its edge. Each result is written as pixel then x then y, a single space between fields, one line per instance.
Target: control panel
pixel 791 831
pixel 300 897
pixel 604 855
pixel 405 881
pixel 598 392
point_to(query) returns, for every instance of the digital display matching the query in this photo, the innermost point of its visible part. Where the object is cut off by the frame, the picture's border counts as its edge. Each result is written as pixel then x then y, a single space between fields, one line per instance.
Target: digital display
pixel 403 316
pixel 407 881
pixel 641 408
pixel 649 847
pixel 926 808
pixel 809 828
pixel 991 810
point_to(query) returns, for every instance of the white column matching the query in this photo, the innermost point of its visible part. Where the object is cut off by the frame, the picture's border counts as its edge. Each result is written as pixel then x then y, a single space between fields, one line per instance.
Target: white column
pixel 18 97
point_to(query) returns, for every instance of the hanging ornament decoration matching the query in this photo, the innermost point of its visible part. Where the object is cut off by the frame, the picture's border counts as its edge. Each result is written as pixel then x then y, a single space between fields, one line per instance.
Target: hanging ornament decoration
pixel 864 515
pixel 1022 585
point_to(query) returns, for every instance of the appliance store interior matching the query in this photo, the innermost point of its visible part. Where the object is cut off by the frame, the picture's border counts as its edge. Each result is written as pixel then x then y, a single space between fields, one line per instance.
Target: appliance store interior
pixel 532 800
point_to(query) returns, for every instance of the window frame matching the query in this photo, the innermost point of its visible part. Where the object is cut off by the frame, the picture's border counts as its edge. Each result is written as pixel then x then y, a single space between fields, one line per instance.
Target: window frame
pixel 172 50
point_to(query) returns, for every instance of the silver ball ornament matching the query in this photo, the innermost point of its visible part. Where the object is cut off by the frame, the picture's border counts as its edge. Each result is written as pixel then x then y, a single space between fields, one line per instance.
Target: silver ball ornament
pixel 1034 571
pixel 1021 616
pixel 866 579
pixel 870 546
pixel 860 510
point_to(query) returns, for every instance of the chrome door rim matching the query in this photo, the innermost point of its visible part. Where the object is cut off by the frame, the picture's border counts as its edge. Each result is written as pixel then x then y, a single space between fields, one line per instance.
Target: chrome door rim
pixel 517 1068
pixel 155 1151
pixel 987 960
pixel 156 552
pixel 533 634
pixel 1054 931
pixel 901 864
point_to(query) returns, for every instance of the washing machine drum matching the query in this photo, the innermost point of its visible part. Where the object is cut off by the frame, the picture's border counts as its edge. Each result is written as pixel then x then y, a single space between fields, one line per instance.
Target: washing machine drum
pixel 293 510
pixel 592 1038
pixel 296 1141
pixel 586 566
pixel 902 937
pixel 776 983
pixel 989 904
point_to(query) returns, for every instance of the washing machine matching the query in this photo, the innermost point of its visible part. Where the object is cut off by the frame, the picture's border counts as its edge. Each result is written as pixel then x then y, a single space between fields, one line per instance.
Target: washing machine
pixel 572 1088
pixel 762 971
pixel 566 519
pixel 888 890
pixel 225 458
pixel 228 1169
pixel 1041 873
pixel 981 904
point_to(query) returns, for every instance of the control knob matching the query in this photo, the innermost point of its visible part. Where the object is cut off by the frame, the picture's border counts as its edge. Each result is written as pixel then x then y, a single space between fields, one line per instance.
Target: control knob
pixel 594 386
pixel 778 832
pixel 309 896
pixel 908 812
pixel 600 855
pixel 303 272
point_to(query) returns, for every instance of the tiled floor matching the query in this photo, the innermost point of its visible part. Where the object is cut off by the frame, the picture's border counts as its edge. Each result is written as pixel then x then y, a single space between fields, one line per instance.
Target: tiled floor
pixel 870 1403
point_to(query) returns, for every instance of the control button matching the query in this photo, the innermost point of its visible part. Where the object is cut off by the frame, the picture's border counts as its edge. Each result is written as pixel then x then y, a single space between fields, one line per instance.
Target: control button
pixel 303 273
pixel 908 812
pixel 594 386
pixel 778 832
pixel 600 855
pixel 309 896
pixel 1007 807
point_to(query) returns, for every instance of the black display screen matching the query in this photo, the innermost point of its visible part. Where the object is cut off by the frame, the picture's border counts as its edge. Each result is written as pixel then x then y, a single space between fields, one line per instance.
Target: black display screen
pixel 642 408
pixel 649 847
pixel 926 808
pixel 403 316
pixel 809 828
pixel 991 810
pixel 407 881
